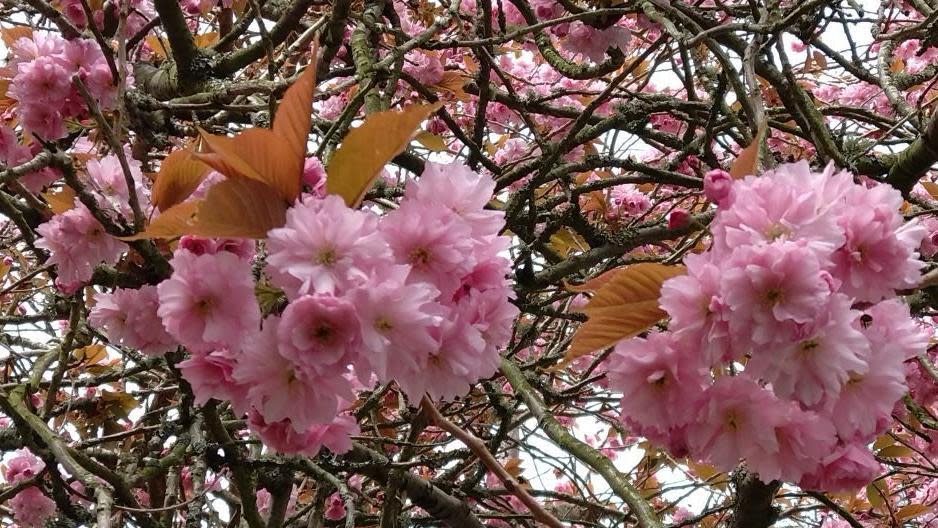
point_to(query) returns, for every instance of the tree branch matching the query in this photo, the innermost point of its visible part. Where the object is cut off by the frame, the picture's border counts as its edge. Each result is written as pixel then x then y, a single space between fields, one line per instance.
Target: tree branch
pixel 647 518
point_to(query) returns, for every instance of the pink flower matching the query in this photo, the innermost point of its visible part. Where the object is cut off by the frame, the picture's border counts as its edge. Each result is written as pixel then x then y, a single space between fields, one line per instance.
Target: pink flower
pixel 737 420
pixel 77 244
pixel 461 359
pixel 31 508
pixel 325 247
pixel 129 318
pixel 397 322
pixel 659 378
pixel 455 187
pixel 771 284
pixel 879 255
pixel 283 437
pixel 626 201
pixel 43 121
pixel 24 465
pixel 547 9
pixel 209 302
pixel 41 80
pixel 864 406
pixel 279 389
pixel 433 242
pixel 314 176
pixel 775 206
pixel 491 314
pixel 242 247
pixel 678 219
pixel 197 245
pixel 423 66
pixel 211 375
pixel 697 311
pixel 106 176
pixel 891 329
pixel 717 185
pixel 804 439
pixel 593 43
pixel 821 356
pixel 335 507
pixel 12 153
pixel 847 469
pixel 320 332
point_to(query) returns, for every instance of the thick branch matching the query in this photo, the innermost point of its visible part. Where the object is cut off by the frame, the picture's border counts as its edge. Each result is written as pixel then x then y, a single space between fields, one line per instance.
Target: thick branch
pixel 913 162
pixel 754 502
pixel 184 50
pixel 442 506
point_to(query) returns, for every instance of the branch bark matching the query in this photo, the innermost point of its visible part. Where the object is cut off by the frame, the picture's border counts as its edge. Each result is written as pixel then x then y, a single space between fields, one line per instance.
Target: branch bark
pixel 647 518
pixel 449 510
pixel 915 161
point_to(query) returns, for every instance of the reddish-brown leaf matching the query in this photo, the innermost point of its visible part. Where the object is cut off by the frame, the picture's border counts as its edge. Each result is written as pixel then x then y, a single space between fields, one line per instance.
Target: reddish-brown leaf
pixel 747 162
pixel 624 305
pixel 369 147
pixel 257 154
pixel 171 223
pixel 295 112
pixel 240 209
pixel 61 199
pixel 233 208
pixel 179 176
pixel 11 34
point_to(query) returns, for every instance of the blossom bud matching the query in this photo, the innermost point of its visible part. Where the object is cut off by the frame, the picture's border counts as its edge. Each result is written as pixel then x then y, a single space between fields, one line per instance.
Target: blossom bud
pixel 678 218
pixel 717 184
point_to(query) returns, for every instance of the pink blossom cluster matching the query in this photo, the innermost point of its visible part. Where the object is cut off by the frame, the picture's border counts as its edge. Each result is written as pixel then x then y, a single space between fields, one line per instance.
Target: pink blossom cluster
pixel 786 340
pixel 418 296
pixel 77 244
pixel 31 507
pixel 13 153
pixel 138 12
pixel 76 241
pixel 43 69
pixel 129 316
pixel 592 43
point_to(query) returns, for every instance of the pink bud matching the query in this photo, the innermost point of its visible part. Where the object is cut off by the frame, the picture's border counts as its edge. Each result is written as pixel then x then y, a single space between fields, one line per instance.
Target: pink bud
pixel 197 245
pixel 336 508
pixel 436 126
pixel 678 218
pixel 717 184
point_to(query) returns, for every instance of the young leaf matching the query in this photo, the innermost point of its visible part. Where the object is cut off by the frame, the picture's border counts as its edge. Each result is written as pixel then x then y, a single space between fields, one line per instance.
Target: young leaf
pixel 566 241
pixel 90 354
pixel 206 39
pixel 624 305
pixel 240 208
pixel 158 46
pixel 179 176
pixel 595 283
pixel 12 34
pixel 431 141
pixel 932 189
pixel 257 154
pixel 911 510
pixel 748 160
pixel 295 112
pixel 368 148
pixel 60 200
pixel 453 82
pixel 172 223
pixel 234 208
pixel 895 451
pixel 877 493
